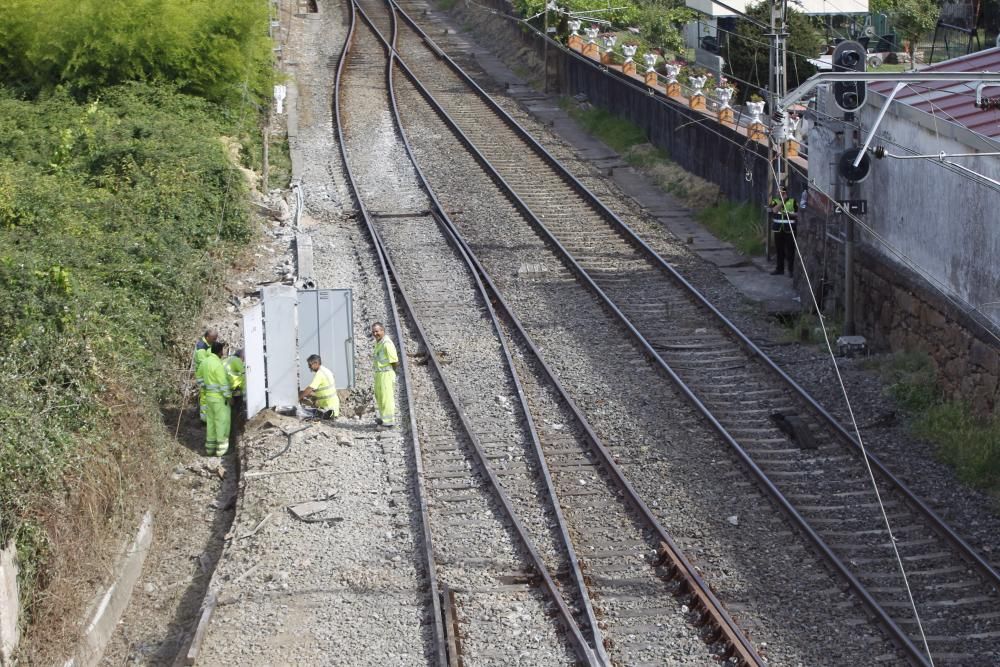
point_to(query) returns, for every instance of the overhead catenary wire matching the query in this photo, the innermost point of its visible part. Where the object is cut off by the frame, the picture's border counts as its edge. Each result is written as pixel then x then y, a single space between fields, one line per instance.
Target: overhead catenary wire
pixel 860 439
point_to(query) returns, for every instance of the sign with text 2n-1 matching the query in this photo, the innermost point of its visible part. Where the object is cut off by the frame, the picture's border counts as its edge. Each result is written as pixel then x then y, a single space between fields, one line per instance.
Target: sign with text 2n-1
pixel 855 206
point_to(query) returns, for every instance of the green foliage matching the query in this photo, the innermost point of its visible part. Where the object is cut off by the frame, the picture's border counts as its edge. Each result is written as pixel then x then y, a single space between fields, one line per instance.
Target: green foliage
pixel 912 380
pixel 660 26
pixel 738 223
pixel 616 132
pixel 969 444
pixel 807 327
pixel 659 22
pixel 108 212
pixel 219 50
pixel 912 19
pixel 747 53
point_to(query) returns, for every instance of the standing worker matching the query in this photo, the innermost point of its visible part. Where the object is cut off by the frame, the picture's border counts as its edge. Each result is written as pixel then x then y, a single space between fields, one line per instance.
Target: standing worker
pixel 322 389
pixel 214 382
pixel 384 362
pixel 202 349
pixel 784 214
pixel 236 372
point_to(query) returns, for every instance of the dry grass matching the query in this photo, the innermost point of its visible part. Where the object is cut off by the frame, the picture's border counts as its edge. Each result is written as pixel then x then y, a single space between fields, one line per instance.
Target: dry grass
pixel 89 524
pixel 694 192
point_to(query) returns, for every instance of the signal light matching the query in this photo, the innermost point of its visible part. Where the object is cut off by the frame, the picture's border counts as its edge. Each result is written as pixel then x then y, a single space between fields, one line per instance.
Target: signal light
pixel 847 170
pixel 850 57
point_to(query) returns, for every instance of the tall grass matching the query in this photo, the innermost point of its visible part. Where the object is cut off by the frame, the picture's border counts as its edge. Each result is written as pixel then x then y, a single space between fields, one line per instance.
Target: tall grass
pixel 970 444
pixel 219 50
pixel 738 223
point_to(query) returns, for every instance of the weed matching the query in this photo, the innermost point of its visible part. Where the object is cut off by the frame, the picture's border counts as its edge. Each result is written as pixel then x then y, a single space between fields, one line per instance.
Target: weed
pixel 807 328
pixel 740 224
pixel 970 444
pixel 912 380
pixel 616 132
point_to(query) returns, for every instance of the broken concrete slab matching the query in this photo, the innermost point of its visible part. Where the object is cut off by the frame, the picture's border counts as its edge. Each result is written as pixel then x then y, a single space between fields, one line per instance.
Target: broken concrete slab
pixel 307 509
pixel 109 608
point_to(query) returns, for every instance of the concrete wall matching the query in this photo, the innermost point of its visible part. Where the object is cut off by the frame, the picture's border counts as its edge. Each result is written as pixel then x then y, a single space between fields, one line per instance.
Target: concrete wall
pixel 896 309
pixel 928 272
pixel 941 221
pixel 10 604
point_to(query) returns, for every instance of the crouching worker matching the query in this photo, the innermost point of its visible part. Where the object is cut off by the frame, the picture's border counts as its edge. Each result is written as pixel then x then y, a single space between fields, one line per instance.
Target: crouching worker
pixel 214 382
pixel 322 391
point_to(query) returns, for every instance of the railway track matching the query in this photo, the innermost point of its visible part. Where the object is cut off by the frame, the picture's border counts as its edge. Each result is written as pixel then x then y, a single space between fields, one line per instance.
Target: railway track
pixel 807 461
pixel 479 551
pixel 489 442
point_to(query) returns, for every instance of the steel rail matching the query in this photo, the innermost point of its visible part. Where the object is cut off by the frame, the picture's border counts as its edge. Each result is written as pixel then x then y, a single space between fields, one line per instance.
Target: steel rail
pixel 440 642
pixel 710 605
pixel 583 650
pixel 735 638
pixel 897 635
pixel 711 608
pixel 938 524
pixel 446 224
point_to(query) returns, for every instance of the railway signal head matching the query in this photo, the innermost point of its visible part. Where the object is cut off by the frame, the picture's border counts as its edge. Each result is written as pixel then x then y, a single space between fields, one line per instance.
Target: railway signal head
pixel 850 57
pixel 847 170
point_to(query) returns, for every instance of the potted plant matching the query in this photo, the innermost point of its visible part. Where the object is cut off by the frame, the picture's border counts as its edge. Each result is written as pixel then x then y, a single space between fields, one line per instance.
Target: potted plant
pixel 756 107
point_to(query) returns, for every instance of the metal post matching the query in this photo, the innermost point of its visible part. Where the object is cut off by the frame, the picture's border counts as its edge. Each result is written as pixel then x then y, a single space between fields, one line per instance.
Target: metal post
pixel 849 277
pixel 776 88
pixel 849 329
pixel 545 51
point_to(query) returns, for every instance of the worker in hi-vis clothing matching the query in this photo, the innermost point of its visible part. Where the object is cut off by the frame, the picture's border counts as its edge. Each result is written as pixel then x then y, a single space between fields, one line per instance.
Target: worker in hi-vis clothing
pixel 384 362
pixel 202 349
pixel 322 390
pixel 214 382
pixel 236 372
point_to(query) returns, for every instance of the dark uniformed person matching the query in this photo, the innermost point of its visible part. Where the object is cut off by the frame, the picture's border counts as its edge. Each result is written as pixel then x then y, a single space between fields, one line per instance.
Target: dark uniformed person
pixel 784 215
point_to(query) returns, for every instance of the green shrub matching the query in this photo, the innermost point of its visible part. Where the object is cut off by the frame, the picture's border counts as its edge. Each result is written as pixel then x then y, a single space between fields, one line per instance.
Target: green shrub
pixel 740 224
pixel 109 214
pixel 218 50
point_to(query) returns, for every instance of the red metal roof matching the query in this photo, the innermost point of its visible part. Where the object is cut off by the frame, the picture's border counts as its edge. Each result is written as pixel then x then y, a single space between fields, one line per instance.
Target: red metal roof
pixel 955 101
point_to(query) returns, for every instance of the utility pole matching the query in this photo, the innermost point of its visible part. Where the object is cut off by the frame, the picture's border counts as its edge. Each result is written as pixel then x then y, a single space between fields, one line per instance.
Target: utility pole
pixel 777 72
pixel 545 52
pixel 777 84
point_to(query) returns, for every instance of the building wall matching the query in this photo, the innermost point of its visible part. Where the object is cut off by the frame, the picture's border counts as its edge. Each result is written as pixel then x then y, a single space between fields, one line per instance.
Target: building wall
pixel 941 221
pixel 929 286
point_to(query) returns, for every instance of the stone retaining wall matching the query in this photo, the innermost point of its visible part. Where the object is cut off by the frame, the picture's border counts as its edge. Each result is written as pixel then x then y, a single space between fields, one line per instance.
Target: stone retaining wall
pixel 896 310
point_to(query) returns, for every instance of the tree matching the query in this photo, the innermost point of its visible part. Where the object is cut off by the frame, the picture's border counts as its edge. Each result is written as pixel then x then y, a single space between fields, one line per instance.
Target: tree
pixel 912 19
pixel 746 52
